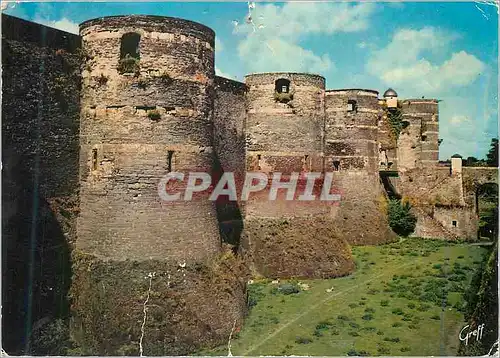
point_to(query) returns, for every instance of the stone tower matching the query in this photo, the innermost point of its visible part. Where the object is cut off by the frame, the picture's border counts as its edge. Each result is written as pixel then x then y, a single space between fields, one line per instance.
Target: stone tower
pixel 418 143
pixel 284 131
pixel 351 151
pixel 146 110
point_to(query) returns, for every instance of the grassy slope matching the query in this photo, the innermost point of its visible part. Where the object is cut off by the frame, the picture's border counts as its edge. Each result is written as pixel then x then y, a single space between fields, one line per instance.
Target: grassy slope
pixel 412 275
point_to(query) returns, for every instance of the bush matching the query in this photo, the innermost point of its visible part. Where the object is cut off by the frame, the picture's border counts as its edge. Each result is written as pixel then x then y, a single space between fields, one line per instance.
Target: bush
pixel 303 340
pixel 289 289
pixel 398 311
pixel 154 115
pixel 367 317
pixel 384 303
pixel 128 64
pixel 283 97
pixel 436 317
pixel 397 324
pixel 400 219
pixel 393 340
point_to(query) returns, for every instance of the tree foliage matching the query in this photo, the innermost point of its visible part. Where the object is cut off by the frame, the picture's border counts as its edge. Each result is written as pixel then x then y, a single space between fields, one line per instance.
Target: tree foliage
pixel 401 220
pixel 492 156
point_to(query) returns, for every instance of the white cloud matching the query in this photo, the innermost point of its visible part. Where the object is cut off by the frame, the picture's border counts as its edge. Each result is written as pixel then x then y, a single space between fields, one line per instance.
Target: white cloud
pixel 402 62
pixel 220 73
pixel 63 24
pixel 273 34
pixel 275 54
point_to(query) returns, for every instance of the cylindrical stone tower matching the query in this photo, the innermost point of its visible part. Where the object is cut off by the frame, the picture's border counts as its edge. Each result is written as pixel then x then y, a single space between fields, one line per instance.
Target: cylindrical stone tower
pixel 418 145
pixel 284 130
pixel 146 110
pixel 351 152
pixel 351 130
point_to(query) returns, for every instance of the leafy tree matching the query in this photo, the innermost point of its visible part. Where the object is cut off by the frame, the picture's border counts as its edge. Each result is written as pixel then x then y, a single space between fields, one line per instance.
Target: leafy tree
pixel 492 156
pixel 401 220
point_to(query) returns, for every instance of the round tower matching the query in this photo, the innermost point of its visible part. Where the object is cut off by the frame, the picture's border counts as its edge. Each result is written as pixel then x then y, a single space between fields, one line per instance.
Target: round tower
pixel 418 144
pixel 284 131
pixel 351 130
pixel 352 154
pixel 145 111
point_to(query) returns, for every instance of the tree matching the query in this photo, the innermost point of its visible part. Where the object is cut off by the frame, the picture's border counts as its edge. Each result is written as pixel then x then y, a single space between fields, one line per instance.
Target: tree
pixel 401 220
pixel 492 156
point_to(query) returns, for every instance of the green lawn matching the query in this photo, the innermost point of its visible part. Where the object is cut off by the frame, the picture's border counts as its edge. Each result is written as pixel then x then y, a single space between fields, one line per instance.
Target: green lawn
pixel 403 299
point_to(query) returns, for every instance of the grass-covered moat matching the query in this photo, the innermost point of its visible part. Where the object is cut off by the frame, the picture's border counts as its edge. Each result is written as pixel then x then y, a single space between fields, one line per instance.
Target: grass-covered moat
pixel 404 299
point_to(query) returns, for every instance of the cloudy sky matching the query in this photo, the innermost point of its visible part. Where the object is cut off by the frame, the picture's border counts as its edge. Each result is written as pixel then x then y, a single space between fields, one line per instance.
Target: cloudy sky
pixel 447 51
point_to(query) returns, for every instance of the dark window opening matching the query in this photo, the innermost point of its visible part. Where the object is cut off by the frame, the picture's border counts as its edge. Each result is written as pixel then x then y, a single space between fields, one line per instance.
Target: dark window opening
pixel 336 165
pixel 389 164
pixel 169 160
pixel 94 159
pixel 424 138
pixel 352 106
pixel 454 223
pixel 258 164
pixel 282 86
pixel 130 45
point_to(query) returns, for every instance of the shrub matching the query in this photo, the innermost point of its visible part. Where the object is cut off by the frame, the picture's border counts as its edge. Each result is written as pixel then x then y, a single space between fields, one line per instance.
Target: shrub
pixel 423 308
pixel 405 349
pixel 289 288
pixel 384 303
pixel 436 317
pixel 335 332
pixel 354 325
pixel 393 340
pixel 352 305
pixel 380 333
pixel 353 334
pixel 303 340
pixel 154 115
pixel 397 324
pixel 401 220
pixel 398 311
pixel 323 325
pixel 367 317
pixel 369 310
pixel 318 333
pixel 343 318
pixel 383 350
pixel 283 97
pixel 128 64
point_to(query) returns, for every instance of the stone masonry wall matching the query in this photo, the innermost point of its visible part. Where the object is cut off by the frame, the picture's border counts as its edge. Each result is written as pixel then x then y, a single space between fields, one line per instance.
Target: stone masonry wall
pixel 352 153
pixel 40 124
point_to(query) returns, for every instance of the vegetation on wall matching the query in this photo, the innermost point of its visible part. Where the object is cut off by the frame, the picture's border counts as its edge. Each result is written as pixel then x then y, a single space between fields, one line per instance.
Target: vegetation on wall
pixel 401 220
pixel 283 97
pixel 128 64
pixel 395 119
pixel 154 115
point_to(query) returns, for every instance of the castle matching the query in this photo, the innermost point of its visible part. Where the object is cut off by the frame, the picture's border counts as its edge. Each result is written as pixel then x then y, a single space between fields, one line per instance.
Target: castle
pixel 92 122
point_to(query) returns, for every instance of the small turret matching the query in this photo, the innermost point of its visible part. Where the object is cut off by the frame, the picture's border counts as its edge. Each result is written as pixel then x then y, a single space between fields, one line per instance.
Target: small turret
pixel 391 98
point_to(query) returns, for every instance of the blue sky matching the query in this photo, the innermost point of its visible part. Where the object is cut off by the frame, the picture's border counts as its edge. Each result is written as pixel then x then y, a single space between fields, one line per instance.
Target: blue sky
pixel 442 50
